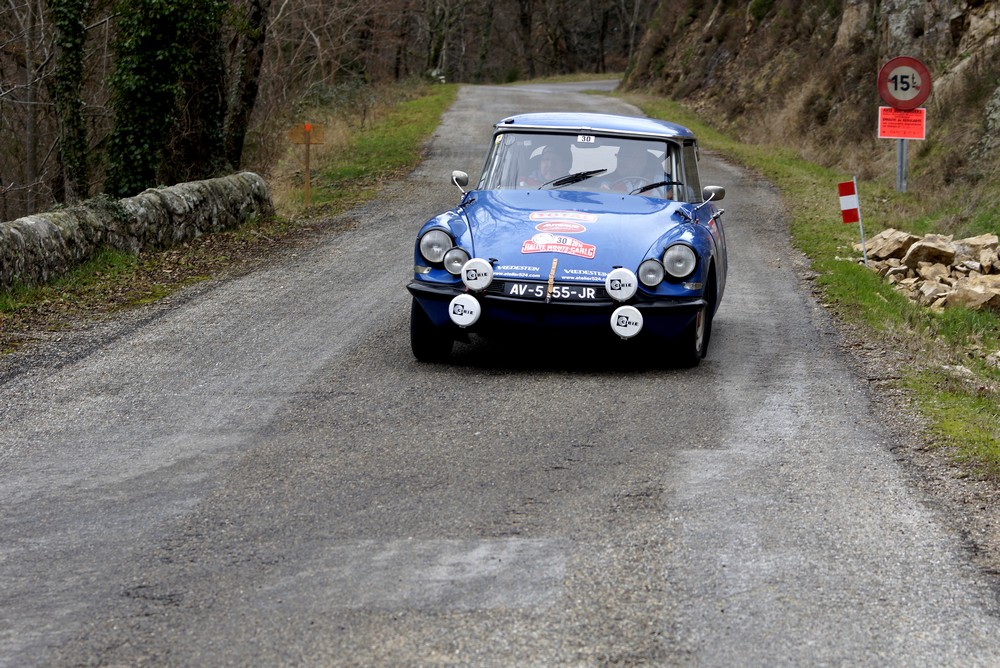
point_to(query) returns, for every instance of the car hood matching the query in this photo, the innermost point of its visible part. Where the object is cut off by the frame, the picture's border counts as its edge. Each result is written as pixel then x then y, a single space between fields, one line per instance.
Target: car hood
pixel 584 235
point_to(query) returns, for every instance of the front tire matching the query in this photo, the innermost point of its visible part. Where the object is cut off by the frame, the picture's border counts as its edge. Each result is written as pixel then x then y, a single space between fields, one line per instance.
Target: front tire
pixel 693 342
pixel 428 342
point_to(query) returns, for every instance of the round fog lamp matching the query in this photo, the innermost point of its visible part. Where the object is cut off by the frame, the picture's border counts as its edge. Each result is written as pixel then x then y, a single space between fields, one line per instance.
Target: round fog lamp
pixel 621 284
pixel 626 321
pixel 477 274
pixel 464 310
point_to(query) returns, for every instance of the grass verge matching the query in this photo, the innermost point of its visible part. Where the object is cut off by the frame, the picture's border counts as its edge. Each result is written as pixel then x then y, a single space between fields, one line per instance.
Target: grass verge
pixel 349 168
pixel 963 411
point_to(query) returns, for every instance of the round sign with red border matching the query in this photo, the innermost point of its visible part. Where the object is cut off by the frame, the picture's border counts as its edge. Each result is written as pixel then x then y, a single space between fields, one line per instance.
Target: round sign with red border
pixel 904 83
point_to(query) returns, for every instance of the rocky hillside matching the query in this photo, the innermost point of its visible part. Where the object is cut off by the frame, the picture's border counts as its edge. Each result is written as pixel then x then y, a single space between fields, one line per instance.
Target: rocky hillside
pixel 804 73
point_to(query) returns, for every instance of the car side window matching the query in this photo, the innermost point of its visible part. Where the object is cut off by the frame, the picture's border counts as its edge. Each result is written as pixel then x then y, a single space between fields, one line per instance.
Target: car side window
pixel 498 163
pixel 691 179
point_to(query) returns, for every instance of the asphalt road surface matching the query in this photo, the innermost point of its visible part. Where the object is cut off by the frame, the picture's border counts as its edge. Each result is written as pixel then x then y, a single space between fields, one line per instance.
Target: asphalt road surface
pixel 257 472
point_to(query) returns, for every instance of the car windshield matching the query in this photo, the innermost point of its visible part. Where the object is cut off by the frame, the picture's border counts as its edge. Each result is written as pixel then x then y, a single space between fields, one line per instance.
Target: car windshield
pixel 592 163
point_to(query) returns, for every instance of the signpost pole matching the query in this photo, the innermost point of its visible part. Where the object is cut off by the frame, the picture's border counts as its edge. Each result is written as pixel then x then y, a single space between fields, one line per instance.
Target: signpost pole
pixel 904 83
pixel 861 225
pixel 901 166
pixel 308 132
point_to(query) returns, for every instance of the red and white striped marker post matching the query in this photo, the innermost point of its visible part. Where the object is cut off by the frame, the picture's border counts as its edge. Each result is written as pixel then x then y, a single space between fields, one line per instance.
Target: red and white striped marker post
pixel 850 209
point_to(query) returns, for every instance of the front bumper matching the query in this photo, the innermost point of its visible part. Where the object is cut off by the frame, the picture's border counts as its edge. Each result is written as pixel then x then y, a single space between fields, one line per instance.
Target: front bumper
pixel 662 316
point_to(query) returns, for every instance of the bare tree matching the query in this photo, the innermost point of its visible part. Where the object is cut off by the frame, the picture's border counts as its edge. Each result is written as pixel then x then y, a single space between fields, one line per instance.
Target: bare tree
pixel 254 69
pixel 246 61
pixel 69 19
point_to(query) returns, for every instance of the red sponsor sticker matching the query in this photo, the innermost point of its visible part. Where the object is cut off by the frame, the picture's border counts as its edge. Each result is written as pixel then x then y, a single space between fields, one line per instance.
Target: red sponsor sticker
pixel 554 243
pixel 563 217
pixel 568 216
pixel 561 227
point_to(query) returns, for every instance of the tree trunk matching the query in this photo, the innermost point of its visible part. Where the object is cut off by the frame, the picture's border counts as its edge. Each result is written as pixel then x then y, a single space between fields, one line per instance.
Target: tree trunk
pixel 484 44
pixel 31 99
pixel 145 88
pixel 525 17
pixel 69 16
pixel 197 146
pixel 246 81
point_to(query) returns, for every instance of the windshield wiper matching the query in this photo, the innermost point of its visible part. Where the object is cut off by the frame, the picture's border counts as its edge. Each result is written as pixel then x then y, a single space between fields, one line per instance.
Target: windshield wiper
pixel 572 178
pixel 639 191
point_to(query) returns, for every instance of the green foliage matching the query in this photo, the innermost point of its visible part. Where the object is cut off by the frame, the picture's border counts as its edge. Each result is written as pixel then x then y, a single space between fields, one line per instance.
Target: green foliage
pixel 145 85
pixel 155 56
pixel 196 148
pixel 106 264
pixel 758 9
pixel 965 419
pixel 386 148
pixel 67 82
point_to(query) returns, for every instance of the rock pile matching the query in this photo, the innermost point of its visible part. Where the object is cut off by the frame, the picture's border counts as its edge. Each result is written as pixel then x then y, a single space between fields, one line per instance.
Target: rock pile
pixel 938 271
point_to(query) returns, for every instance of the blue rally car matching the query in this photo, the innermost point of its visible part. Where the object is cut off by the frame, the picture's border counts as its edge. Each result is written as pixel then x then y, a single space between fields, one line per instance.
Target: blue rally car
pixel 580 222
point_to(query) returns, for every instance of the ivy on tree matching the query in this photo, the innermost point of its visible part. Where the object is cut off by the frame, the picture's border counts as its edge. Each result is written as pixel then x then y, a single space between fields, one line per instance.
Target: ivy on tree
pixel 167 93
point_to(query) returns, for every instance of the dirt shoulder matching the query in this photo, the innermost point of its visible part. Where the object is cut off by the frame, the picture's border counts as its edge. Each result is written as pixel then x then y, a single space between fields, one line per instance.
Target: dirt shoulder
pixel 965 495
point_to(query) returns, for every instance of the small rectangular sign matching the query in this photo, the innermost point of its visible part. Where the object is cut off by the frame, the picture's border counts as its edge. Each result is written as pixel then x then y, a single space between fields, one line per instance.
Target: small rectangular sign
pixel 902 124
pixel 850 207
pixel 307 133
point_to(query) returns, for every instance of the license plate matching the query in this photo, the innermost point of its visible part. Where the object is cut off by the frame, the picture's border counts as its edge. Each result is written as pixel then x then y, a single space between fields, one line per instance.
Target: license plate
pixel 559 292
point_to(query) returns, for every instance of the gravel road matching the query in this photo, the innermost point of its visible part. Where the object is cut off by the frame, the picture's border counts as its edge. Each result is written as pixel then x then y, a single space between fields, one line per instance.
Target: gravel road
pixel 256 472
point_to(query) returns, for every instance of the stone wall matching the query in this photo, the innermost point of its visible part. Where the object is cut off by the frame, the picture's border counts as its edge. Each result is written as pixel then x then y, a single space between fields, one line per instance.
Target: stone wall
pixel 36 248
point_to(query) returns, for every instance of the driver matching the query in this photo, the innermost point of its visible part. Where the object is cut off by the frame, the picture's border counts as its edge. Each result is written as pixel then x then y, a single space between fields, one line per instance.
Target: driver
pixel 636 167
pixel 552 164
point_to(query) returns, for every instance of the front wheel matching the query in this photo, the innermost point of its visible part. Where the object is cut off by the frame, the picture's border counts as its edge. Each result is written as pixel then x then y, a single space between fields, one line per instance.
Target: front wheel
pixel 693 342
pixel 428 342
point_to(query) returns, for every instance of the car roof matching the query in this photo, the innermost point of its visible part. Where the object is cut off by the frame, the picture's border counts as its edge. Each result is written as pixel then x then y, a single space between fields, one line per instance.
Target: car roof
pixel 601 123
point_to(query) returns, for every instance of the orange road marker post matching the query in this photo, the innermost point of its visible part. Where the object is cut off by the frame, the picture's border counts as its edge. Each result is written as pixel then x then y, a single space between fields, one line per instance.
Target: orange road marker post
pixel 306 134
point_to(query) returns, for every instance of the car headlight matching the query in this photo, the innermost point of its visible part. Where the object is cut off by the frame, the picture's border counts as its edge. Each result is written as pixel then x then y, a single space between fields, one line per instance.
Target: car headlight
pixel 454 260
pixel 679 260
pixel 651 273
pixel 434 244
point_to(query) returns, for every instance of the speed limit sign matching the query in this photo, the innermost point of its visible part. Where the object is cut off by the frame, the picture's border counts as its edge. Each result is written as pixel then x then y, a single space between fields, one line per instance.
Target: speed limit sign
pixel 904 83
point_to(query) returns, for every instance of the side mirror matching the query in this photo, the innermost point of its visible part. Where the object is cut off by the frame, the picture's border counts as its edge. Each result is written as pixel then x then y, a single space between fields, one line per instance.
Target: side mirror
pixel 713 193
pixel 460 179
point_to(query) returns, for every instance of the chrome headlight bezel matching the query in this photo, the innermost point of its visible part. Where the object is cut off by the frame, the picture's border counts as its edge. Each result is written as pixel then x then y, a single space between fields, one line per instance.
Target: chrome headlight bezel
pixel 680 261
pixel 434 244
